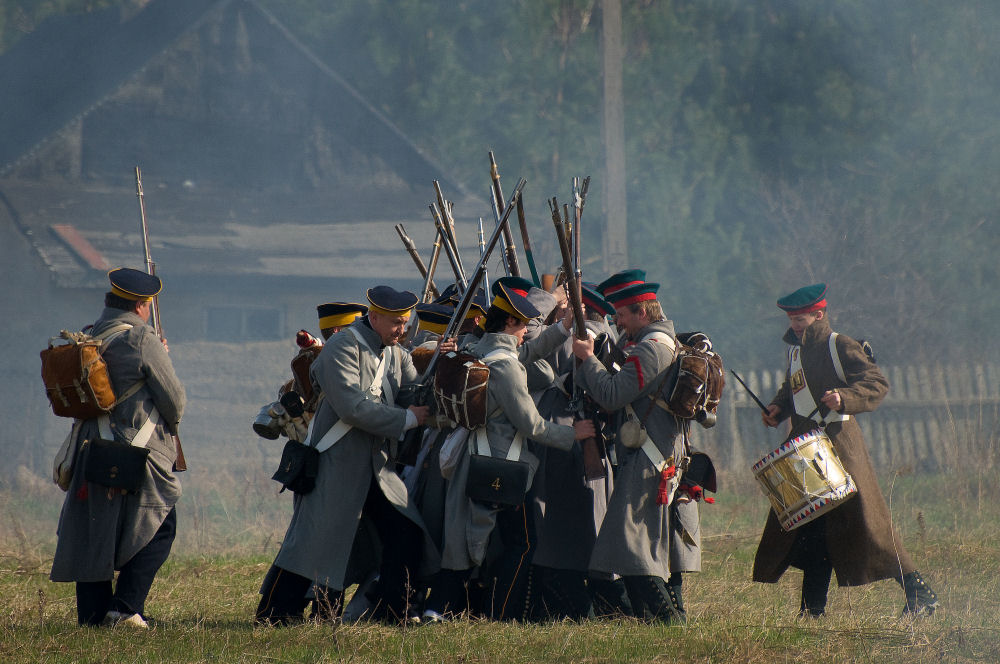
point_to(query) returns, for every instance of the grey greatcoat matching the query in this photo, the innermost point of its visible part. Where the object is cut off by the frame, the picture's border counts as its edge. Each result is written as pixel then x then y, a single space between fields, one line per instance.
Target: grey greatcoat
pixel 635 535
pixel 685 522
pixel 319 539
pixel 468 525
pixel 100 529
pixel 570 507
pixel 860 540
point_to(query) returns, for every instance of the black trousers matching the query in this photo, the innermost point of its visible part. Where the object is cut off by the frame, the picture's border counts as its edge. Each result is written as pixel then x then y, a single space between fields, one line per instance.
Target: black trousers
pixel 506 581
pixel 283 592
pixel 809 553
pixel 135 578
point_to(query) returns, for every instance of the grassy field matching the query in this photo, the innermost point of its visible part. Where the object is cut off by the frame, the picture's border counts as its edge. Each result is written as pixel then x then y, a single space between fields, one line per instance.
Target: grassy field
pixel 202 601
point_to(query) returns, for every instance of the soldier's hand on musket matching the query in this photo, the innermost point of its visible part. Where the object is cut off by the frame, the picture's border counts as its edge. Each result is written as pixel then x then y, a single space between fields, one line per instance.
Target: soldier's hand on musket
pixel 421 412
pixel 448 345
pixel 165 346
pixel 770 417
pixel 567 320
pixel 584 429
pixel 831 399
pixel 583 348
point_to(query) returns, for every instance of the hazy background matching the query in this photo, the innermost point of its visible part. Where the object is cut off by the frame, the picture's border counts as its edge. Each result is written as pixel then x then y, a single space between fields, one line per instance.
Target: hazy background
pixel 769 145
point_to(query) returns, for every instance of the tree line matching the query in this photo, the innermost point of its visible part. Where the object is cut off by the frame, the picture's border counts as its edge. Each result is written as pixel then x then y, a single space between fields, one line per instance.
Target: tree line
pixel 769 144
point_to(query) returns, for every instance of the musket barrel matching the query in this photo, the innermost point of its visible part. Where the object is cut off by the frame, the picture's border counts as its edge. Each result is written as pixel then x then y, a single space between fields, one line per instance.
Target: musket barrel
pixel 465 303
pixel 510 251
pixel 154 308
pixel 576 301
pixel 430 290
pixel 445 207
pixel 503 241
pixel 527 244
pixel 411 249
pixel 449 248
pixel 180 463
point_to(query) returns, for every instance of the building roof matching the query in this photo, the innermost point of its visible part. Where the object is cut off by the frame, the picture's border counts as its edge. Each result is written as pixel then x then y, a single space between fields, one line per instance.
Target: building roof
pixel 120 92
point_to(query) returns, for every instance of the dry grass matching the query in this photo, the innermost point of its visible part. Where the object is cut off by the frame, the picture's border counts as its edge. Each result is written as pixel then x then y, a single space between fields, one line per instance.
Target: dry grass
pixel 230 527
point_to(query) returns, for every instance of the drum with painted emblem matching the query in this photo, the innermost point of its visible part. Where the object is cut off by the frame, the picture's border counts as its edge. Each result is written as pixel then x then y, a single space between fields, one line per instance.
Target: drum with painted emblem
pixel 804 479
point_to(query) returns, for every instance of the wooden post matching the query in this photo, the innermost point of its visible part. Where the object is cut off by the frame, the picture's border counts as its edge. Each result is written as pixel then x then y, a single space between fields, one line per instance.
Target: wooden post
pixel 615 209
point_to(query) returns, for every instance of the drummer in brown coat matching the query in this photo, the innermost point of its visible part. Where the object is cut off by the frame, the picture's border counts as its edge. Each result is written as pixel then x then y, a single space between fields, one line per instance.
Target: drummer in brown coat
pixel 856 539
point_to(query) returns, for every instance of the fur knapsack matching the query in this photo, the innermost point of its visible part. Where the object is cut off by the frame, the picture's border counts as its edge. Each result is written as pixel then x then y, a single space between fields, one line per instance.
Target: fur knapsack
pixel 694 386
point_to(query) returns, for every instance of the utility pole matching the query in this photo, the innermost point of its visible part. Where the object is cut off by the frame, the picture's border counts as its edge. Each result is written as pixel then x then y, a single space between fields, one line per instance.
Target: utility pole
pixel 615 243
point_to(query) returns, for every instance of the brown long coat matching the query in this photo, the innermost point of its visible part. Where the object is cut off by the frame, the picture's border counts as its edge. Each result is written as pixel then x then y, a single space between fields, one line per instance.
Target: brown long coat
pixel 861 542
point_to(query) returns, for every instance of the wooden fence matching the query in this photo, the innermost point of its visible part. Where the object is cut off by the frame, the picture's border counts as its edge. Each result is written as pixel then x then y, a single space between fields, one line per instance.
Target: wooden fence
pixel 934 418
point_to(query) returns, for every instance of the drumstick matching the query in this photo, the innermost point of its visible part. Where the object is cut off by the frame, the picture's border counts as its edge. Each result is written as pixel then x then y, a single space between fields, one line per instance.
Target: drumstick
pixel 750 392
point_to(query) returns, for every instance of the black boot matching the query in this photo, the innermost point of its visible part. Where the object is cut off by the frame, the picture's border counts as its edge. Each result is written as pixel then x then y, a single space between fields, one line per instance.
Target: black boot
pixel 610 597
pixel 651 600
pixel 920 599
pixel 676 597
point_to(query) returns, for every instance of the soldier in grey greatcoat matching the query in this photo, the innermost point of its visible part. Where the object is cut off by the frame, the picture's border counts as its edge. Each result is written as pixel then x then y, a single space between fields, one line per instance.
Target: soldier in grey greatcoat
pixel 634 540
pixel 571 507
pixel 511 411
pixel 856 539
pixel 102 529
pixel 356 481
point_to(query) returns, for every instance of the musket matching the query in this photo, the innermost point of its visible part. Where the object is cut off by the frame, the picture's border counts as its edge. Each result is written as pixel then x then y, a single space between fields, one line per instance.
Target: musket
pixel 412 250
pixel 154 308
pixel 446 207
pixel 510 251
pixel 150 265
pixel 579 198
pixel 593 465
pixel 482 247
pixel 449 248
pixel 576 301
pixel 750 392
pixel 465 303
pixel 559 279
pixel 422 388
pixel 429 292
pixel 527 244
pixel 496 221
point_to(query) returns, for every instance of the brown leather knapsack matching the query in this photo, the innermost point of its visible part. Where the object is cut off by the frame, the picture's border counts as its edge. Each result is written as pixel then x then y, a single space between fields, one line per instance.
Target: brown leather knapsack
pixel 75 375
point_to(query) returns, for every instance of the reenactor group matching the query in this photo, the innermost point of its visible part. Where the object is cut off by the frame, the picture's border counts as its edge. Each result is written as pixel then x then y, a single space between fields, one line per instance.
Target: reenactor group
pixel 425 545
pixel 401 522
pixel 575 495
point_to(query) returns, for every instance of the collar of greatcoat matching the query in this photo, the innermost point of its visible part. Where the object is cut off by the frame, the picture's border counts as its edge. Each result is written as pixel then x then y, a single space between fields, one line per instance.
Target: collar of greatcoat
pixel 493 341
pixel 370 335
pixel 112 316
pixel 819 331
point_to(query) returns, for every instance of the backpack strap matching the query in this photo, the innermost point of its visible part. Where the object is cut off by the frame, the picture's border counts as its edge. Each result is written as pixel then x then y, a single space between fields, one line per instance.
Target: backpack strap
pixel 835 356
pixel 379 386
pixel 142 436
pixel 661 337
pixel 482 440
pixel 106 337
pixel 483 445
pixel 112 332
pixel 498 354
